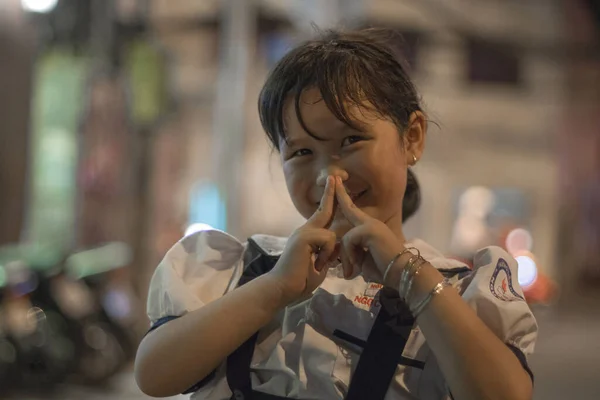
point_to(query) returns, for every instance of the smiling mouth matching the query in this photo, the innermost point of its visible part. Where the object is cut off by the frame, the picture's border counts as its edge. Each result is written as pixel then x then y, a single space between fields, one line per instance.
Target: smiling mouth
pixel 354 196
pixel 357 195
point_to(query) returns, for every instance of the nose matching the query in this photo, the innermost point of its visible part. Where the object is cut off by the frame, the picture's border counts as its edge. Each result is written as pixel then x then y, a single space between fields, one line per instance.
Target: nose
pixel 332 170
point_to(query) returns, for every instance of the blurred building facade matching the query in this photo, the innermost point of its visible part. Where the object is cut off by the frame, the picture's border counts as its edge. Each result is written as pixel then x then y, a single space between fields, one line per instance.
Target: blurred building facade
pixel 499 90
pixel 579 144
pixel 16 57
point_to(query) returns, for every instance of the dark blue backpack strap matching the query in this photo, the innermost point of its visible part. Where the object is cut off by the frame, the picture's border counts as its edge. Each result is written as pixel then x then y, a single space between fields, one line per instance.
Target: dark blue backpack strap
pixel 383 351
pixel 460 271
pixel 256 263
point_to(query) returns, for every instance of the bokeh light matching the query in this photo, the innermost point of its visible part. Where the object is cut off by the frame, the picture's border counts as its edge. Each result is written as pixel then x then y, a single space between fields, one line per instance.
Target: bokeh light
pixel 528 271
pixel 519 240
pixel 39 6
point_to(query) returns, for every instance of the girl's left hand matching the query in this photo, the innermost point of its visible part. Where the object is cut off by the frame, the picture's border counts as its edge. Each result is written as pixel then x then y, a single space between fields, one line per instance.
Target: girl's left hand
pixel 369 246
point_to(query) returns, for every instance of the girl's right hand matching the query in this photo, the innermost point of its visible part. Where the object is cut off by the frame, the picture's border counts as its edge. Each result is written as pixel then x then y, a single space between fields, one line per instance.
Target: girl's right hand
pixel 309 251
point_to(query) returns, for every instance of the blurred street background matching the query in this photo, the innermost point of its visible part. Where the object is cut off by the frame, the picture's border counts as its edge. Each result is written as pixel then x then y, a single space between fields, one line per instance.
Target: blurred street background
pixel 126 124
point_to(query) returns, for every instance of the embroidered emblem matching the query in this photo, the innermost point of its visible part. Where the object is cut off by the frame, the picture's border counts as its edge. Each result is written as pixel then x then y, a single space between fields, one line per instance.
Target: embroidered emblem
pixel 501 283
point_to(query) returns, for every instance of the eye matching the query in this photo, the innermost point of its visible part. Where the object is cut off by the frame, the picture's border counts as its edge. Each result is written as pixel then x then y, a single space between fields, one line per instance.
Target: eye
pixel 351 140
pixel 300 153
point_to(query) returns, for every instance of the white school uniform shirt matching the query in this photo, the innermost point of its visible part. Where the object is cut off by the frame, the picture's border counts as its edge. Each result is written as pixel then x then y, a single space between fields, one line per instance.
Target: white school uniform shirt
pixel 206 265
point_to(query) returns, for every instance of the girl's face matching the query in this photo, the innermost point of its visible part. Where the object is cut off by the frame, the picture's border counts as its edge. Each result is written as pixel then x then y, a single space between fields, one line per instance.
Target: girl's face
pixel 372 162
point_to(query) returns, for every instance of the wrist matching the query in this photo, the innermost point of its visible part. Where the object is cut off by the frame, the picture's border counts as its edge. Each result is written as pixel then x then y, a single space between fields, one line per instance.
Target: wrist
pixel 280 294
pixel 423 284
pixel 429 284
pixel 394 271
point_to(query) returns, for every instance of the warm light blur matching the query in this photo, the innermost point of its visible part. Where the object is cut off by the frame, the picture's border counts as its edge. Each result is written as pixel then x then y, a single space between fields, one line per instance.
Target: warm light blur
pixel 519 240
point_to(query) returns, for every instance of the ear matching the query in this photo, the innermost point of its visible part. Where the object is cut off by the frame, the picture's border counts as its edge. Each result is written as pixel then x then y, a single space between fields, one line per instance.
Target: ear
pixel 414 137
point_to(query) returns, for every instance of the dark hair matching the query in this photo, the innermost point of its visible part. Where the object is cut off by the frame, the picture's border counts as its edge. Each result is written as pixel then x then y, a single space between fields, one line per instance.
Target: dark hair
pixel 349 69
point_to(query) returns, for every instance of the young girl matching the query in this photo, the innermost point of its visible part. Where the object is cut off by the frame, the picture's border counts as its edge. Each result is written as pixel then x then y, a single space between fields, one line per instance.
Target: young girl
pixel 346 307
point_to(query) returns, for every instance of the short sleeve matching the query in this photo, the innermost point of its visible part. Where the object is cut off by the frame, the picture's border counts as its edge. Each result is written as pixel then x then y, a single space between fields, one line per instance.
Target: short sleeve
pixel 197 270
pixel 493 290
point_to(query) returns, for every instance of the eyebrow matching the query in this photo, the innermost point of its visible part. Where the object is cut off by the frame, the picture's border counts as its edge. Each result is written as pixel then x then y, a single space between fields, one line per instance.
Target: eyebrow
pixel 289 143
pixel 340 129
pixel 299 142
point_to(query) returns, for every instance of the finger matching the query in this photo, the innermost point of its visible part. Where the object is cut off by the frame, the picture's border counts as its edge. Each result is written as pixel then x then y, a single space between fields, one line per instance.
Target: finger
pixel 327 247
pixel 324 214
pixel 352 213
pixel 323 273
pixel 347 266
pixel 358 256
pixel 333 259
pixel 354 242
pixel 316 278
pixel 354 250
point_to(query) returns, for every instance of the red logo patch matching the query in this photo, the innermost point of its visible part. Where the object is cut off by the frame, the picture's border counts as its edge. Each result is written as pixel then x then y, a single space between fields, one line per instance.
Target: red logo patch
pixel 366 301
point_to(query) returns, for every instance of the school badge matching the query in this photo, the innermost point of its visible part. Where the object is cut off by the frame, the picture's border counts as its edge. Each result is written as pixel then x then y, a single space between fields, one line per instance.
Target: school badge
pixel 501 284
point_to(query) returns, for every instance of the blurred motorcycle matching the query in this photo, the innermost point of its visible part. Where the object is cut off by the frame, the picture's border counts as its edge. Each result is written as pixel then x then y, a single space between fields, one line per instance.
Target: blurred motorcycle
pixel 61 317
